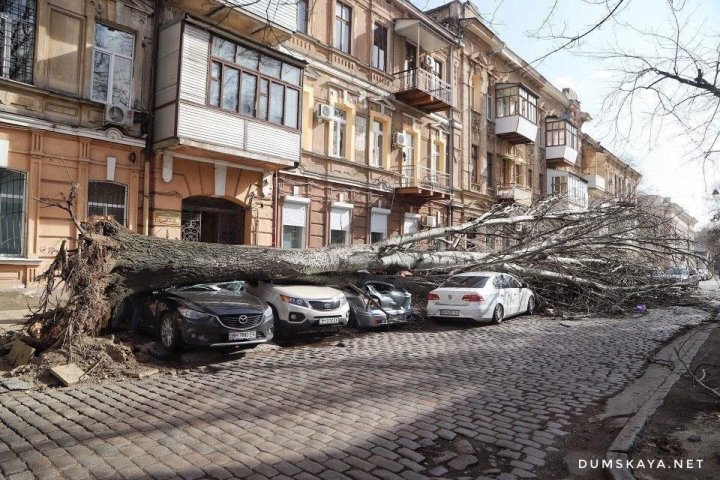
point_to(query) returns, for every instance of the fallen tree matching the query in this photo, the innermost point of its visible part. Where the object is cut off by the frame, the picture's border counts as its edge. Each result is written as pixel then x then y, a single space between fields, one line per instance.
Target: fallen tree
pixel 602 260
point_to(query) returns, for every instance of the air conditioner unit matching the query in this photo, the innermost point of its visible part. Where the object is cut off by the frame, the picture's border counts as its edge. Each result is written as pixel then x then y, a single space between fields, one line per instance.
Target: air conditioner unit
pixel 325 112
pixel 429 221
pixel 402 139
pixel 428 62
pixel 117 115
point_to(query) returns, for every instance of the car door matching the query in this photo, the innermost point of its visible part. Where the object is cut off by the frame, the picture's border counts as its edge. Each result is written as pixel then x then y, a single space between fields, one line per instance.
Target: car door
pixel 499 284
pixel 512 292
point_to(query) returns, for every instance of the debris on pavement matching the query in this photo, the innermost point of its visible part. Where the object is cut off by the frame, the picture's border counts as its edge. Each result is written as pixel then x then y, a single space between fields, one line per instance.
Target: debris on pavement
pixel 20 353
pixel 69 374
pixel 14 385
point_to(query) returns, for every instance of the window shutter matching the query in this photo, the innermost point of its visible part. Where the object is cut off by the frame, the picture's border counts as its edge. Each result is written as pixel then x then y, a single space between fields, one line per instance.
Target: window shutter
pixel 340 219
pixel 379 223
pixel 295 214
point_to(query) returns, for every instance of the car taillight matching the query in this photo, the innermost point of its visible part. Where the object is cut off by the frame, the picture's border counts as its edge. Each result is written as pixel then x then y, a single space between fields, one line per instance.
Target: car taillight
pixel 472 297
pixel 433 296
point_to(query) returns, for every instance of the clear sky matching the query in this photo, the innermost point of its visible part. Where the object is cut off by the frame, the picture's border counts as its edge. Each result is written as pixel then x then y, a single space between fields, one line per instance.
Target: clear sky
pixel 660 154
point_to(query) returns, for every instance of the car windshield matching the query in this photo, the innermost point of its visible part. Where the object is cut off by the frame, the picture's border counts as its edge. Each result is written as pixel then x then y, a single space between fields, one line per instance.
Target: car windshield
pixel 465 281
pixel 198 288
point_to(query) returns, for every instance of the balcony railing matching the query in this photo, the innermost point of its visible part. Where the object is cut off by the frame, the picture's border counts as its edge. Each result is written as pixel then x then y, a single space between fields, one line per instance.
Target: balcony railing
pixel 423 90
pixel 514 192
pixel 423 177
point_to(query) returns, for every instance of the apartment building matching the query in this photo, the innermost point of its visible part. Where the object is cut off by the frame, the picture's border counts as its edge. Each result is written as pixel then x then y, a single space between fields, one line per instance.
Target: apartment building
pixel 227 117
pixel 607 175
pixel 73 108
pixel 522 140
pixel 382 135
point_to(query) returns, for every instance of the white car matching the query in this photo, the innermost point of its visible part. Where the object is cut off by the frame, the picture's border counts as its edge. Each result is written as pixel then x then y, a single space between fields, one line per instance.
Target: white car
pixel 481 296
pixel 303 308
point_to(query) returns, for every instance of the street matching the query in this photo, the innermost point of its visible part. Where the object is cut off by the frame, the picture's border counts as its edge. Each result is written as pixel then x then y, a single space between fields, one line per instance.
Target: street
pixel 477 402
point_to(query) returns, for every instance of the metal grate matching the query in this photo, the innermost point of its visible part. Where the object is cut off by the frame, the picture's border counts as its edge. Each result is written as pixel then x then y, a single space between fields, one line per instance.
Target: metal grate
pixel 241 321
pixel 324 305
pixel 12 212
pixel 17 34
pixel 107 199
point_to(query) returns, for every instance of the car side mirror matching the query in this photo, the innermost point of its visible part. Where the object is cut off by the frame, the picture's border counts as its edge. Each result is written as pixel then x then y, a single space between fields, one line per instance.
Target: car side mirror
pixel 524 285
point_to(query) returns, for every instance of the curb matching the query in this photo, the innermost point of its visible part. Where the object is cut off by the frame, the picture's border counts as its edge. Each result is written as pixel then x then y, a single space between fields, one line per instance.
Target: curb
pixel 619 450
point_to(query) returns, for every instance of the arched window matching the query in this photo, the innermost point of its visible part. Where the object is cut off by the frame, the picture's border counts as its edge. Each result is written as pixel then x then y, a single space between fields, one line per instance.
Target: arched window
pixel 12 212
pixel 107 199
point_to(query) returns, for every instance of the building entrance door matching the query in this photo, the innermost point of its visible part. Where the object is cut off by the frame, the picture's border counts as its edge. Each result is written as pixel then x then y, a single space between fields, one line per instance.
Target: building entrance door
pixel 212 220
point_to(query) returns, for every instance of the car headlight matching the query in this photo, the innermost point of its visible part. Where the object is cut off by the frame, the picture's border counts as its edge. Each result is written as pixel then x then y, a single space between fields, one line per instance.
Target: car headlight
pixel 267 314
pixel 294 301
pixel 343 301
pixel 191 314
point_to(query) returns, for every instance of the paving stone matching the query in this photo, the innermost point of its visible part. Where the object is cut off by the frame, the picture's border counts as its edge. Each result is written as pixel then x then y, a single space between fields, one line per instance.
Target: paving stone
pixel 380 405
pixel 461 462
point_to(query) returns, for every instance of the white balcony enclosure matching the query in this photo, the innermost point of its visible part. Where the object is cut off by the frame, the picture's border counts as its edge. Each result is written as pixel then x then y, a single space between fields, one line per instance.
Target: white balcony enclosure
pixel 516 128
pixel 267 21
pixel 185 121
pixel 562 152
pixel 572 189
pixel 514 193
pixel 595 182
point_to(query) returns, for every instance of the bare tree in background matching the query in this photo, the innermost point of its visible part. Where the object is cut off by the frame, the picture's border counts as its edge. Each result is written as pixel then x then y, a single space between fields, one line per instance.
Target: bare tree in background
pixel 665 81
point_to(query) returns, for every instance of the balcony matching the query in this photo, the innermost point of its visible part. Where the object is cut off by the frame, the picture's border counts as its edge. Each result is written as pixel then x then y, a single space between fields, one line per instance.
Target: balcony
pixel 595 182
pixel 516 129
pixel 514 193
pixel 267 21
pixel 423 90
pixel 516 113
pixel 561 154
pixel 571 189
pixel 423 182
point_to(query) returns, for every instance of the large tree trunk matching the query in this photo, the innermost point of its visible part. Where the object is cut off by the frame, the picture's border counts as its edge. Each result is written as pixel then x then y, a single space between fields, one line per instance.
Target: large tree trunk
pixel 600 259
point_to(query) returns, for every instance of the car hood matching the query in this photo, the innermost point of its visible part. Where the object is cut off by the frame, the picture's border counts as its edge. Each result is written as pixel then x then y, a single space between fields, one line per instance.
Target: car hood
pixel 221 303
pixel 309 292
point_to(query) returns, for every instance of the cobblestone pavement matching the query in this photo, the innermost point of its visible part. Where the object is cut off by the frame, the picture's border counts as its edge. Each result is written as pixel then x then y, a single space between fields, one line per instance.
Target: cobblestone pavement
pixel 476 403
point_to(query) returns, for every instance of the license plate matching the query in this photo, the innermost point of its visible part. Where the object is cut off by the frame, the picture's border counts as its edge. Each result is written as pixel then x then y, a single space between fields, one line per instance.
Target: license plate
pixel 450 312
pixel 242 335
pixel 329 321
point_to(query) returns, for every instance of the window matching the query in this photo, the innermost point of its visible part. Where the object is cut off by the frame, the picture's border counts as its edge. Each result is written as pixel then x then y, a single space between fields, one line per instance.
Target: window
pixel 474 163
pixel 294 224
pixel 360 137
pixel 302 16
pixel 112 66
pixel 244 81
pixel 434 155
pixel 515 100
pixel 343 30
pixel 378 136
pixel 489 106
pixel 108 200
pixel 529 181
pixel 378 225
pixel 489 170
pixel 337 132
pixel 379 50
pixel 12 212
pixel 17 32
pixel 561 132
pixel 340 225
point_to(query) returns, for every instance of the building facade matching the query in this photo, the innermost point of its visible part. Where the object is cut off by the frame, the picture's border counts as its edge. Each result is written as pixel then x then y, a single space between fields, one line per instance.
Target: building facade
pixel 285 124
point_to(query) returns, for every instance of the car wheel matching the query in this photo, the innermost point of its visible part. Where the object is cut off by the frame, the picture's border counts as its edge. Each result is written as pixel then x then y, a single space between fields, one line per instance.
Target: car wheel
pixel 170 333
pixel 531 305
pixel 352 321
pixel 498 314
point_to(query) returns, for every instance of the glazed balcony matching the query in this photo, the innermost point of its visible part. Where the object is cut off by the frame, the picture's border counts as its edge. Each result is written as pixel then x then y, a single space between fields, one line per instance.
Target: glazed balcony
pixel 423 182
pixel 561 141
pixel 516 114
pixel 513 192
pixel 423 90
pixel 595 182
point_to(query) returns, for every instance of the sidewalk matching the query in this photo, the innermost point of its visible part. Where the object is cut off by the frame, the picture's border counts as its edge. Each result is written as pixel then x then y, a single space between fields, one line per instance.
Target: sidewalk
pixel 12 319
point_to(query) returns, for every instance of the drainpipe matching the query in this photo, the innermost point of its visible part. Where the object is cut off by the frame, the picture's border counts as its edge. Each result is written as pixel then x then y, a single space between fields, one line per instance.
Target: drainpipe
pixel 451 138
pixel 148 153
